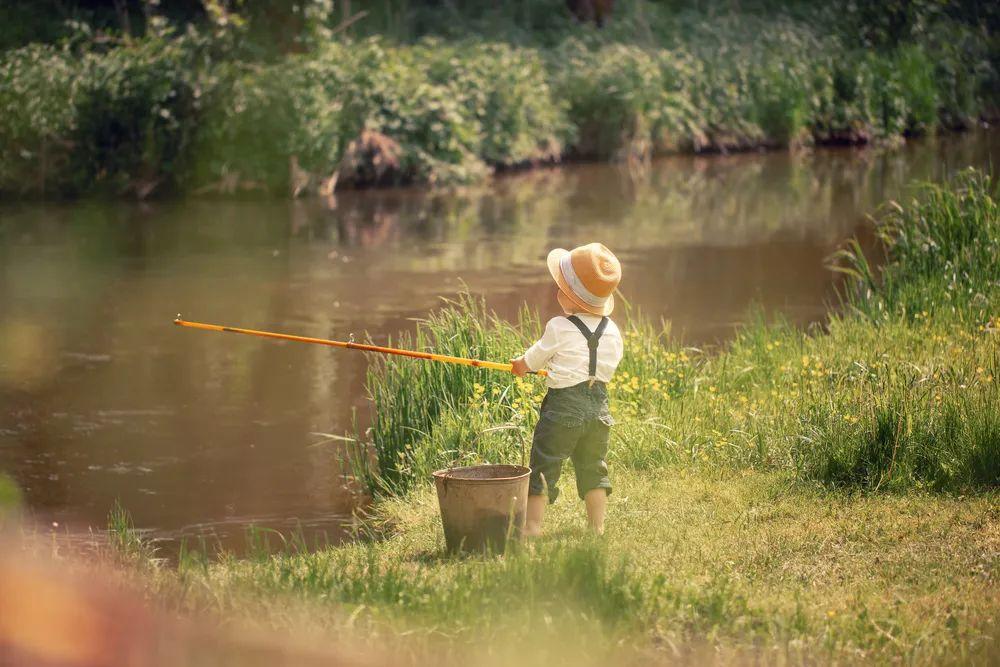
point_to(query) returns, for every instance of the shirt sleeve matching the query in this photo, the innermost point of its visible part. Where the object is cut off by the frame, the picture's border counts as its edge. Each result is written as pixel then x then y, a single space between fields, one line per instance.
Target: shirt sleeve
pixel 538 355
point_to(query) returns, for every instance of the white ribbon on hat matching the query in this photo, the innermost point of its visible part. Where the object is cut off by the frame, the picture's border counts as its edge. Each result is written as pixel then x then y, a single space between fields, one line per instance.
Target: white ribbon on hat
pixel 591 299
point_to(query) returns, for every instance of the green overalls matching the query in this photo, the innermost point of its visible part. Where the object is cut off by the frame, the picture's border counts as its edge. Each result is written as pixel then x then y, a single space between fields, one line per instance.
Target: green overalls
pixel 574 423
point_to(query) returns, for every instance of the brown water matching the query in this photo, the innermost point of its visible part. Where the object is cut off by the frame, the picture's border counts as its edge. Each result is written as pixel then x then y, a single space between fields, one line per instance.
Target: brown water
pixel 101 397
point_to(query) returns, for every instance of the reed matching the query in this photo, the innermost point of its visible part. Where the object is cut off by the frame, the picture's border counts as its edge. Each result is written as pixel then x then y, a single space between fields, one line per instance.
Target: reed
pixel 427 416
pixel 126 544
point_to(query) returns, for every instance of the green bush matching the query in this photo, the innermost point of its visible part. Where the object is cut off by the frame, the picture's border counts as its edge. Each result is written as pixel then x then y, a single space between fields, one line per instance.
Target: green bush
pixel 615 95
pixel 38 118
pixel 258 116
pixel 966 73
pixel 507 92
pixel 81 119
pixel 915 70
pixel 135 109
pixel 391 93
pixel 201 111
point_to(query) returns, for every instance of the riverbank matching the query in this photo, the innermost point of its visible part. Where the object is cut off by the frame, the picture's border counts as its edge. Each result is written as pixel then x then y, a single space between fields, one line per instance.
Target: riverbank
pixel 190 112
pixel 697 565
pixel 795 496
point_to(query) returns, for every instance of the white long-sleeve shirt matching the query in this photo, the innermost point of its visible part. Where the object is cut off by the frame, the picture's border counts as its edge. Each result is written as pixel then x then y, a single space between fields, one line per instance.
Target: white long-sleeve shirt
pixel 563 351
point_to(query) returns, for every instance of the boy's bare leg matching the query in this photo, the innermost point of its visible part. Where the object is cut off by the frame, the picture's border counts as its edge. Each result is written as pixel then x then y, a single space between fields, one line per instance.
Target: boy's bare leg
pixel 536 513
pixel 597 503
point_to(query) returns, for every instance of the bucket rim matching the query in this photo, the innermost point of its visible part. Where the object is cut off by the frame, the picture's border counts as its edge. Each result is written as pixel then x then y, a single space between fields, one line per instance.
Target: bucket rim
pixel 443 473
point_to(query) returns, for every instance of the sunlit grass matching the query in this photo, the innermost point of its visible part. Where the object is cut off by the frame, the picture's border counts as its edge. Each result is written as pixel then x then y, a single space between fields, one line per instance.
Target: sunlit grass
pixel 725 563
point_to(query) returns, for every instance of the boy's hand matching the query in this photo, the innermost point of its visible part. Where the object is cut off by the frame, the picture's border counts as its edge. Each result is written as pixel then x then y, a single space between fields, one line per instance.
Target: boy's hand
pixel 518 367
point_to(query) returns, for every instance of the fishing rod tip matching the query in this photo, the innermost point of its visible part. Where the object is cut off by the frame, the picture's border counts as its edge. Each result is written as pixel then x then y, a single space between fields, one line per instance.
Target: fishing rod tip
pixel 177 319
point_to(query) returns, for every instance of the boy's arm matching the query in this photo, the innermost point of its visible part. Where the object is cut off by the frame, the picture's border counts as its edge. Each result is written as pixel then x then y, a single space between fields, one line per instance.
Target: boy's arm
pixel 536 356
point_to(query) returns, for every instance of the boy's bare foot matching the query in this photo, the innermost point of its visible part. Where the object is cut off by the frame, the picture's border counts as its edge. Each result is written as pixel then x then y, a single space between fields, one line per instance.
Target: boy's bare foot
pixel 535 515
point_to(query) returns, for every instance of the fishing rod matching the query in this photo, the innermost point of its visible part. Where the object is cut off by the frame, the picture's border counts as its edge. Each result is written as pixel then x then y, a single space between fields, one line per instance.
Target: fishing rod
pixel 351 345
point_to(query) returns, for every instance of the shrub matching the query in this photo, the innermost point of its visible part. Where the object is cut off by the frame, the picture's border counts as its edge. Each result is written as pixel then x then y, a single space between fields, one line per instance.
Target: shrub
pixel 37 119
pixel 507 92
pixel 205 110
pixel 259 116
pixel 615 96
pixel 135 109
pixel 915 70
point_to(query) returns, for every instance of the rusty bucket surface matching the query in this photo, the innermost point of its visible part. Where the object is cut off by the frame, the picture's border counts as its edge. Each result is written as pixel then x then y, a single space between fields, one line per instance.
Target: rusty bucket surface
pixel 482 506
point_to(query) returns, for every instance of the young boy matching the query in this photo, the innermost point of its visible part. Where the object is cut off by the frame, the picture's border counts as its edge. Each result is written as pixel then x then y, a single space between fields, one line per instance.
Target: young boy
pixel 580 352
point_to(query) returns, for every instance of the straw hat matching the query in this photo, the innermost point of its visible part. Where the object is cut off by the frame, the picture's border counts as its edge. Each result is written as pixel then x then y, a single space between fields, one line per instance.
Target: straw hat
pixel 586 277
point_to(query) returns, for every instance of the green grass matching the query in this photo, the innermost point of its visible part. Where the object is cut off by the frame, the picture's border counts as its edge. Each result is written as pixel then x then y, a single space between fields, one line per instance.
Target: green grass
pixel 125 544
pixel 705 564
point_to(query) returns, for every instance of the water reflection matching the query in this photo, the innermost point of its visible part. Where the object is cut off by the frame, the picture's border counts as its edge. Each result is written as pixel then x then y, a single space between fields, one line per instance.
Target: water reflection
pixel 101 398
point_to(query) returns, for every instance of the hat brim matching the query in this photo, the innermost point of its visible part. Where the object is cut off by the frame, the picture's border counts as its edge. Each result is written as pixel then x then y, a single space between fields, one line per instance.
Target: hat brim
pixel 564 289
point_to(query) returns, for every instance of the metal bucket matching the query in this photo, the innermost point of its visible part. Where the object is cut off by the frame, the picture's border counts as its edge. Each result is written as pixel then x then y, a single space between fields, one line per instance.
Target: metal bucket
pixel 482 506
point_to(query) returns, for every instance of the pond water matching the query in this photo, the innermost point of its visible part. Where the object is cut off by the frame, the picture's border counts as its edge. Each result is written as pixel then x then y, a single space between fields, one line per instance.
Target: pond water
pixel 102 398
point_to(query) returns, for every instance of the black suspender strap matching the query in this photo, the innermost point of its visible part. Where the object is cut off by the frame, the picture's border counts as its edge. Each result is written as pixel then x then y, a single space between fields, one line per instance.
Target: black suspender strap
pixel 593 339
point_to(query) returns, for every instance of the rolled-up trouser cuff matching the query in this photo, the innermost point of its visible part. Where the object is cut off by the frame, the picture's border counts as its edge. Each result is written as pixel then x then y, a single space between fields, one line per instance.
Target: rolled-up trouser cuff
pixel 583 489
pixel 537 486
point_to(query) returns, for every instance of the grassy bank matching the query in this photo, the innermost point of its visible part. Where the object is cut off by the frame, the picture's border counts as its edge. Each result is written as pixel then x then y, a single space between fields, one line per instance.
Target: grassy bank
pixel 199 111
pixel 828 495
pixel 698 566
